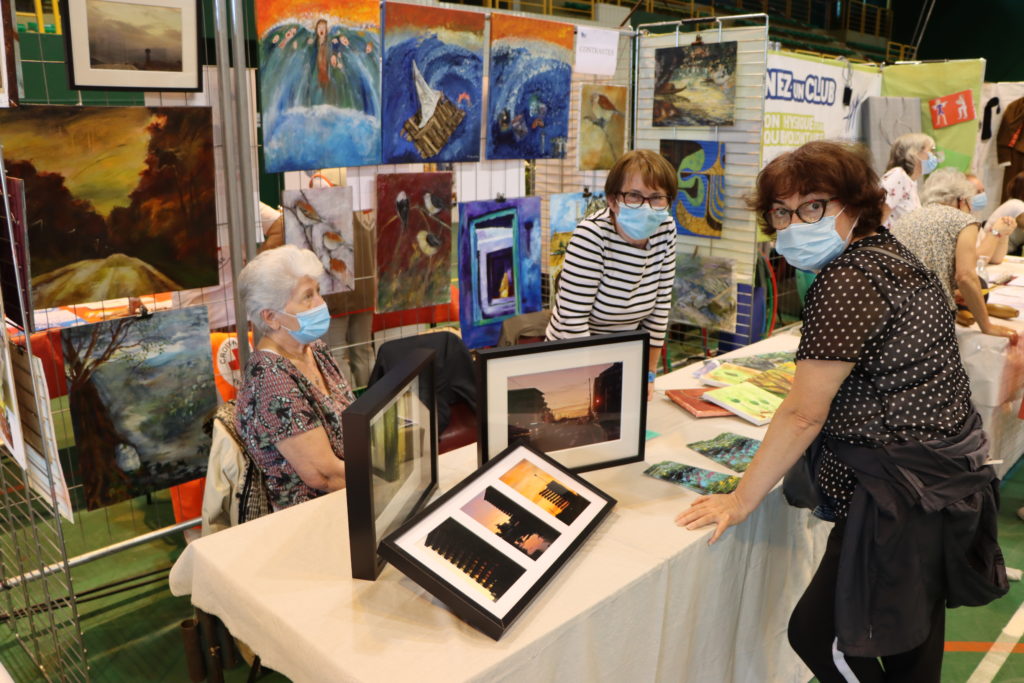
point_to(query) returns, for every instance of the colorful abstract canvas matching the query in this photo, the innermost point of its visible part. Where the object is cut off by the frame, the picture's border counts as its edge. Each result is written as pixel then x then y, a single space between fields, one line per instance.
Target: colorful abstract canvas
pixel 602 125
pixel 696 479
pixel 140 389
pixel 753 404
pixel 414 240
pixel 14 272
pixel 565 211
pixel 530 77
pixel 727 374
pixel 319 83
pixel 699 208
pixel 321 220
pixel 732 450
pixel 704 293
pixel 695 85
pixel 433 84
pixel 499 265
pixel 778 380
pixel 120 199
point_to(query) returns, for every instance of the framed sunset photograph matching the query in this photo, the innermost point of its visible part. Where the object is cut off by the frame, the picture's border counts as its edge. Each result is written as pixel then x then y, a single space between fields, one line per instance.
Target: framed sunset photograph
pixel 133 44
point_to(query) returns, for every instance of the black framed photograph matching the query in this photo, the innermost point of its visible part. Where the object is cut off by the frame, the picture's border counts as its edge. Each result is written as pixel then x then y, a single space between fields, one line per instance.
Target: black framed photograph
pixel 390 456
pixel 581 401
pixel 132 44
pixel 488 546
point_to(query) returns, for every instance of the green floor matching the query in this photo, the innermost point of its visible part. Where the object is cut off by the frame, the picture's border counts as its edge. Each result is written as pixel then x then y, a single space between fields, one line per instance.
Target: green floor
pixel 134 636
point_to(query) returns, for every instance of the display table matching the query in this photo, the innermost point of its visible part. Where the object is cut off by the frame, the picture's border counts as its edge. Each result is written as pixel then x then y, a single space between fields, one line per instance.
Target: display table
pixel 642 599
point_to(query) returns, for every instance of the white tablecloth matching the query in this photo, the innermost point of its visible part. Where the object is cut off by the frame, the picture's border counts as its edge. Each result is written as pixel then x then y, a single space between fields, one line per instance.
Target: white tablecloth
pixel 642 600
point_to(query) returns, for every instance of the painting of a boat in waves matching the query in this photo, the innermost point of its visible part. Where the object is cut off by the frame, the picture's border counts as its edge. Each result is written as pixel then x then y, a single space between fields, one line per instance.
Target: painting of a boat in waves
pixel 433 76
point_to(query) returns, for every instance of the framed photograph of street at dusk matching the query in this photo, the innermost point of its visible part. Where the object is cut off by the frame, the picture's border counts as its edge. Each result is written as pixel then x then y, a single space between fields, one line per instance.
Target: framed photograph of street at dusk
pixel 489 545
pixel 581 401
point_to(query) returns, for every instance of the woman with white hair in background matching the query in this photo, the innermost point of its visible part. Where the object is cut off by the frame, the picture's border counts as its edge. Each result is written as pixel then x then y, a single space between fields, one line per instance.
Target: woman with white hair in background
pixel 910 157
pixel 293 392
pixel 943 235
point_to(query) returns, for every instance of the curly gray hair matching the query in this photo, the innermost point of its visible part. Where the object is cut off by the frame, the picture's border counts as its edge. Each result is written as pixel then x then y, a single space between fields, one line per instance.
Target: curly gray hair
pixel 267 282
pixel 906 150
pixel 946 186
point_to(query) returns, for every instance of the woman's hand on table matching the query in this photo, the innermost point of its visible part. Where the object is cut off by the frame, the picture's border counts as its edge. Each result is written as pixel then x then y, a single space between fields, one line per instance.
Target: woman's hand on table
pixel 721 509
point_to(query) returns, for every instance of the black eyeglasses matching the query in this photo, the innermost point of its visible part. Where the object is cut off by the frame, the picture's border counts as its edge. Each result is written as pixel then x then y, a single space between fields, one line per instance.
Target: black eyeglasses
pixel 809 212
pixel 635 200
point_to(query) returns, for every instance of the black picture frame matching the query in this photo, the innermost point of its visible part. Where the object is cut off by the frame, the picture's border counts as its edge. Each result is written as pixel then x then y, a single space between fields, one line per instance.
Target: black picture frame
pixel 614 430
pixel 157 72
pixel 395 417
pixel 550 512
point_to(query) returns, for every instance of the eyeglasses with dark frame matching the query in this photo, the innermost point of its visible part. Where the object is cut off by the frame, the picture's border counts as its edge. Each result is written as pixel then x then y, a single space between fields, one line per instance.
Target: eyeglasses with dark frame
pixel 810 211
pixel 635 200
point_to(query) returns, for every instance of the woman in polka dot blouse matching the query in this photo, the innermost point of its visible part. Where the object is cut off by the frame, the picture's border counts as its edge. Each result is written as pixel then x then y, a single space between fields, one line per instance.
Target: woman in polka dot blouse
pixel 882 405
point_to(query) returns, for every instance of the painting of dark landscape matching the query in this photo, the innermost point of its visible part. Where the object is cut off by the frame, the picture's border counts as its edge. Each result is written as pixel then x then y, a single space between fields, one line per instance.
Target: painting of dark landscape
pixel 510 522
pixel 121 200
pixel 140 389
pixel 566 408
pixel 125 35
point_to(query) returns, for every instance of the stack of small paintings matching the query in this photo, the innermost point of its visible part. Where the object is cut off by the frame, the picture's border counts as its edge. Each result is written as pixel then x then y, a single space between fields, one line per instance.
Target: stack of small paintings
pixel 726 374
pixel 488 546
pixel 414 240
pixel 695 85
pixel 732 450
pixel 433 89
pixel 565 211
pixel 602 125
pixel 499 265
pixel 704 293
pixel 319 83
pixel 140 389
pixel 699 208
pixel 321 220
pixel 121 200
pixel 696 479
pixel 531 73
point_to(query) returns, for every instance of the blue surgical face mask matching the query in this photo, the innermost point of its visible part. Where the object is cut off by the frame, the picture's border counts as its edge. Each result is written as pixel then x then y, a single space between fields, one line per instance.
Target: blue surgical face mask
pixel 979 201
pixel 640 223
pixel 929 164
pixel 810 246
pixel 313 324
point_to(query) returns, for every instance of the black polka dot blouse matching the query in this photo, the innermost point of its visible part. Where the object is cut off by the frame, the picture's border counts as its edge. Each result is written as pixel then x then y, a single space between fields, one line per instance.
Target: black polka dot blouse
pixel 885 312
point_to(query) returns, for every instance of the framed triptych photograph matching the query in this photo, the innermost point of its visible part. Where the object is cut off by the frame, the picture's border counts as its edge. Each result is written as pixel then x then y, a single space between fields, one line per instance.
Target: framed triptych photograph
pixel 132 44
pixel 488 546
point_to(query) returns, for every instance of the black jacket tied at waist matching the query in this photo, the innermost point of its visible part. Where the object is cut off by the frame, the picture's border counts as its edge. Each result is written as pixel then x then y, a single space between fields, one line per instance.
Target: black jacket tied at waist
pixel 921 528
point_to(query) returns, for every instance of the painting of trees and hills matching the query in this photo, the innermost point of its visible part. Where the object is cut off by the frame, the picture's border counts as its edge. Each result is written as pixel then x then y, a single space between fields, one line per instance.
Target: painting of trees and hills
pixel 140 390
pixel 120 199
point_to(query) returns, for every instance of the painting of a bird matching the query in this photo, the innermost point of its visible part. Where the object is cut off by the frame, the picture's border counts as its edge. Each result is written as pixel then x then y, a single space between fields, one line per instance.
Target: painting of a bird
pixel 321 220
pixel 602 125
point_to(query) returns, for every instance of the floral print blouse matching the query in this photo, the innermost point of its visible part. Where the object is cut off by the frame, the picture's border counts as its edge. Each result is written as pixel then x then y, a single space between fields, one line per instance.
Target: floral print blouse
pixel 900 194
pixel 276 402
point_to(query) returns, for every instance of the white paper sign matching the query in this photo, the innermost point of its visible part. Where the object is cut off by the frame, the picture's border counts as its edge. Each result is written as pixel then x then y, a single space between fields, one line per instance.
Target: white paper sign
pixel 597 51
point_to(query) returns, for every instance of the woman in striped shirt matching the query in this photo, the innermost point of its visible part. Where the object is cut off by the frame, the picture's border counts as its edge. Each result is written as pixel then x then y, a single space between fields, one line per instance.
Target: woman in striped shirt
pixel 620 262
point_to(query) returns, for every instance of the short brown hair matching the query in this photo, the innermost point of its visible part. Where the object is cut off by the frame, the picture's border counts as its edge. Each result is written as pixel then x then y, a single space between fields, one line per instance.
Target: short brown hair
pixel 840 169
pixel 655 170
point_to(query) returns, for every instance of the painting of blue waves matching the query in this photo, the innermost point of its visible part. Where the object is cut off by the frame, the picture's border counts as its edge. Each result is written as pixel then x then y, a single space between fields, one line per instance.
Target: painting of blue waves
pixel 319 86
pixel 530 81
pixel 433 84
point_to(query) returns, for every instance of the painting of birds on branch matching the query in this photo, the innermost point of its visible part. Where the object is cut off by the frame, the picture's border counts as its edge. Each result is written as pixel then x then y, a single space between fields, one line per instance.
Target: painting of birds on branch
pixel 321 220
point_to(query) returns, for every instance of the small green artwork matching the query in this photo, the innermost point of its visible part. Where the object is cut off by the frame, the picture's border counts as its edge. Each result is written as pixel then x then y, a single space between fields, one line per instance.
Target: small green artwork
pixel 694 478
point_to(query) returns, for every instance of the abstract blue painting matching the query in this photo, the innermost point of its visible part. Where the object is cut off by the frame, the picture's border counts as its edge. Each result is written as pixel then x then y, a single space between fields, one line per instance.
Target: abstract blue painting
pixel 499 265
pixel 433 84
pixel 530 80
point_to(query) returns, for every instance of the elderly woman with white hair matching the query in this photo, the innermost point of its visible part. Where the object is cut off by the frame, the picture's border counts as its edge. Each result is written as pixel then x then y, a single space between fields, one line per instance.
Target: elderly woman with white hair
pixel 910 157
pixel 944 235
pixel 293 392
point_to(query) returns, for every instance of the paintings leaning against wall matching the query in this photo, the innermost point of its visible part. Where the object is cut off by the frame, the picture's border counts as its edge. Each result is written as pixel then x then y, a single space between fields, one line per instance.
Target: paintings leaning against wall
pixel 531 76
pixel 132 44
pixel 140 389
pixel 321 220
pixel 14 272
pixel 319 83
pixel 699 208
pixel 414 240
pixel 704 293
pixel 433 84
pixel 120 199
pixel 499 265
pixel 602 125
pixel 565 211
pixel 695 85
